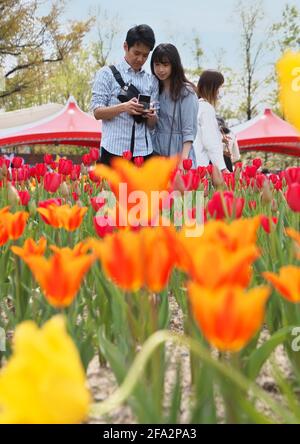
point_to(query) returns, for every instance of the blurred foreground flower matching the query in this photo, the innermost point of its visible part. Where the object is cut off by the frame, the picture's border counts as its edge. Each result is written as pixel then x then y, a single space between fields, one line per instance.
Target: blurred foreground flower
pixel 64 216
pixel 60 276
pixel 295 235
pixel 43 382
pixel 137 259
pixel 287 283
pixel 230 316
pixel 153 176
pixel 31 247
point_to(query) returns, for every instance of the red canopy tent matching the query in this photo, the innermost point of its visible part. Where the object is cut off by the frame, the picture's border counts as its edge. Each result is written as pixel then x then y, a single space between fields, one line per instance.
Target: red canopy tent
pixel 70 126
pixel 268 133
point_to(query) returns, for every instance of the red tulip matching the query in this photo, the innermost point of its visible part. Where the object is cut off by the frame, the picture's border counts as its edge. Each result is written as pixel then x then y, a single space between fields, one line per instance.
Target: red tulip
pixel 278 185
pixel 273 178
pixel 209 169
pixel 238 165
pixel 87 159
pixel 54 165
pixel 230 180
pixel 127 155
pixel 45 203
pixel 93 177
pixel 40 169
pixel 52 182
pixel 17 162
pixel 5 162
pixel 75 173
pixel 138 161
pixel 97 202
pixel 225 201
pixel 265 222
pixel 95 154
pixel 103 225
pixel 252 204
pixel 75 196
pixel 48 159
pixel 257 163
pixel 250 171
pixel 24 197
pixel 293 196
pixel 201 171
pixel 65 166
pixel 292 175
pixel 260 179
pixel 187 164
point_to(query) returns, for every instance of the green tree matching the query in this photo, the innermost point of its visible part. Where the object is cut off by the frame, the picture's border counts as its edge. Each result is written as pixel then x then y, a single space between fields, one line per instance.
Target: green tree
pixel 250 18
pixel 29 41
pixel 286 33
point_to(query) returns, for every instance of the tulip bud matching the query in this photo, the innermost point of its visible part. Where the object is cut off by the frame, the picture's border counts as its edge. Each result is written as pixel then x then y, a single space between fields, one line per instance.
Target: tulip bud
pixel 79 203
pixel 4 170
pixel 217 178
pixel 84 170
pixel 32 208
pixel 274 206
pixel 64 189
pixel 12 195
pixel 266 195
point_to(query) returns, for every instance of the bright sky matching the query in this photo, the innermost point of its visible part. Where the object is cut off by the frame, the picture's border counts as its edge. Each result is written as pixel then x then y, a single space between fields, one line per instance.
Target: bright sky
pixel 176 20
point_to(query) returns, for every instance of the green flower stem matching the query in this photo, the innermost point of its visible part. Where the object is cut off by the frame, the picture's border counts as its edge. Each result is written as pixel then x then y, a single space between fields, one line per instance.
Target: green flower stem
pixel 160 337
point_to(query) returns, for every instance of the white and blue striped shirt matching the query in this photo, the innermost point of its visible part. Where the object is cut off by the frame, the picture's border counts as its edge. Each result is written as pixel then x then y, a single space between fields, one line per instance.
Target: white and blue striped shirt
pixel 116 133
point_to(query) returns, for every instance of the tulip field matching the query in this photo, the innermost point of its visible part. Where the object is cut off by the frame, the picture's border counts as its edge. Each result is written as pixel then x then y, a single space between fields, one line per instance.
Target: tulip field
pixel 85 277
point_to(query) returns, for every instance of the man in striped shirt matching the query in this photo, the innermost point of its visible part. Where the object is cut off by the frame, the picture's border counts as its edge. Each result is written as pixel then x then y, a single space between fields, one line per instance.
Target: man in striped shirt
pixel 118 118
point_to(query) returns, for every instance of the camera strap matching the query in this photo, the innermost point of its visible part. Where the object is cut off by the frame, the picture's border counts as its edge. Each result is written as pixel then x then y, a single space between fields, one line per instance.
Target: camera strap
pixel 117 75
pixel 121 82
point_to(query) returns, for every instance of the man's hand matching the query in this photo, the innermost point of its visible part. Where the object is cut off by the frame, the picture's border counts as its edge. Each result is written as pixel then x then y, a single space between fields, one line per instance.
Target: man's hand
pixel 133 108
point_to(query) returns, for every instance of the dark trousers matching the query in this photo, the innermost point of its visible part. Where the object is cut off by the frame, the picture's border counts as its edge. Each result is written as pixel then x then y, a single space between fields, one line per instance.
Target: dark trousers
pixel 107 157
pixel 228 163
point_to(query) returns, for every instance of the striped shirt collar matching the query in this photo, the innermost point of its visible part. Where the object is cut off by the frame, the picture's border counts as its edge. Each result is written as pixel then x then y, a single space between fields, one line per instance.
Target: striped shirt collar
pixel 126 67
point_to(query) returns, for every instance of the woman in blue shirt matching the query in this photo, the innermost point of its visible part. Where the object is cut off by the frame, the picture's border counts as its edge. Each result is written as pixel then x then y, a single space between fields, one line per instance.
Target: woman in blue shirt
pixel 178 106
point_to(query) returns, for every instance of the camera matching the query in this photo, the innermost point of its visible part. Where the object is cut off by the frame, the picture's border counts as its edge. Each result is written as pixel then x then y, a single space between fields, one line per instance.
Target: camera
pixel 144 100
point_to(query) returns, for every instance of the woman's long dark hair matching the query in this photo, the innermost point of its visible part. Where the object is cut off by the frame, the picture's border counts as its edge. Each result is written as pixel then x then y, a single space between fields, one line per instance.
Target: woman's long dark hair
pixel 168 53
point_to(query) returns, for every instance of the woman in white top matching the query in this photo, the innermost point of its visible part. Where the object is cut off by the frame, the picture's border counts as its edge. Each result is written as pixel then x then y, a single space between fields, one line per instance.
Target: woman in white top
pixel 208 143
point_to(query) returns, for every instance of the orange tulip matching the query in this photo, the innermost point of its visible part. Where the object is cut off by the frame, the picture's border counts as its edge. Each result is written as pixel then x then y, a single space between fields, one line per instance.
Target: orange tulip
pixel 14 223
pixel 295 235
pixel 136 259
pixel 31 247
pixel 287 283
pixel 4 210
pixel 3 235
pixel 153 176
pixel 60 276
pixel 228 317
pixel 64 216
pixel 215 267
pixel 79 249
pixel 231 237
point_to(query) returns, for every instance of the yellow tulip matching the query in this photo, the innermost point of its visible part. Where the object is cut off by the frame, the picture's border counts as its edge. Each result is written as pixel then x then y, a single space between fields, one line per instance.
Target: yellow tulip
pixel 43 382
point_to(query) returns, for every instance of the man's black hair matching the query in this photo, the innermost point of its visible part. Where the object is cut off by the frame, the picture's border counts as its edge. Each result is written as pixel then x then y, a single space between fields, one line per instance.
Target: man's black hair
pixel 141 34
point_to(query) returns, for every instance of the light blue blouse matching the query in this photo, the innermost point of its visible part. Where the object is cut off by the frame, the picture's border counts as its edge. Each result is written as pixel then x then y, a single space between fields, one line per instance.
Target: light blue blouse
pixel 184 126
